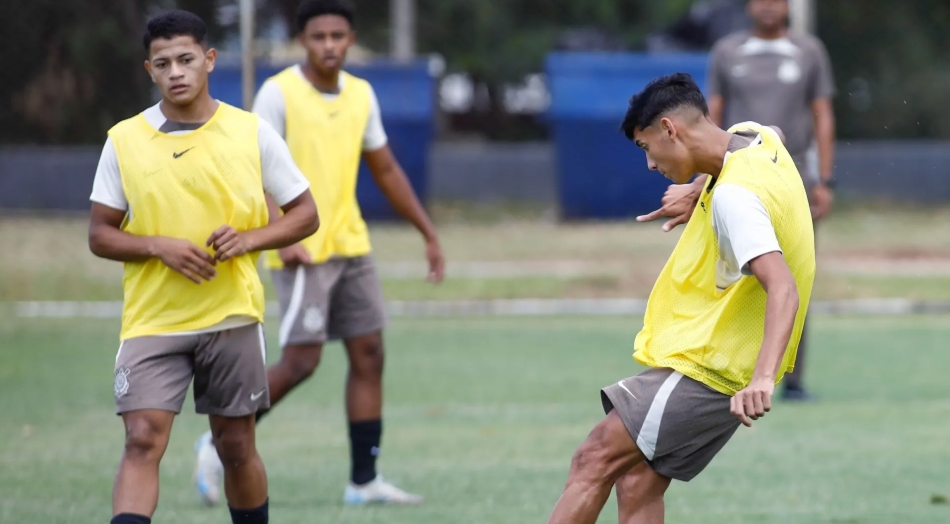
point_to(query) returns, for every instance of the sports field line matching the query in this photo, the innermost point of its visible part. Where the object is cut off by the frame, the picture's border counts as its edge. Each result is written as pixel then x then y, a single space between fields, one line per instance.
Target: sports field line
pixel 515 307
pixel 840 265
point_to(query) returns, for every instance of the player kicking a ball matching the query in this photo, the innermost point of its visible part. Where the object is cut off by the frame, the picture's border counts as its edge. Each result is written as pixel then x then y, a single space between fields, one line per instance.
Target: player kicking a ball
pixel 327 284
pixel 724 317
pixel 179 197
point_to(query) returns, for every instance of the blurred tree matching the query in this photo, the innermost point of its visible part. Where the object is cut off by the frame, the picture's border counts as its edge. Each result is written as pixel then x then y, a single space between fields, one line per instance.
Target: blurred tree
pixel 499 42
pixel 73 69
pixel 891 66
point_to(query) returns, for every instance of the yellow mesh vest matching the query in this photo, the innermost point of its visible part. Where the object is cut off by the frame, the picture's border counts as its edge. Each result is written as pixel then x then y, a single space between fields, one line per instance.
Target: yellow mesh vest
pixel 714 336
pixel 215 180
pixel 325 137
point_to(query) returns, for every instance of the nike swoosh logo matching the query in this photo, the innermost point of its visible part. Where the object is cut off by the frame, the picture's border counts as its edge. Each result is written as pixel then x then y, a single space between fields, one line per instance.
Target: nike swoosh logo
pixel 176 155
pixel 257 395
pixel 624 387
pixel 775 159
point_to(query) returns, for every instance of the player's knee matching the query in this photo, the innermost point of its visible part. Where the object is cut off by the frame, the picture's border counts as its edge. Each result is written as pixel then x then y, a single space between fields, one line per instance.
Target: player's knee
pixel 368 357
pixel 302 361
pixel 235 446
pixel 643 484
pixel 594 462
pixel 144 441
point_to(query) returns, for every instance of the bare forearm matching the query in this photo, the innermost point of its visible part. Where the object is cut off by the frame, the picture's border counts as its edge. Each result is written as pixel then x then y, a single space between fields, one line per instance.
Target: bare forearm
pixel 294 225
pixel 825 134
pixel 716 104
pixel 114 244
pixel 781 308
pixel 395 185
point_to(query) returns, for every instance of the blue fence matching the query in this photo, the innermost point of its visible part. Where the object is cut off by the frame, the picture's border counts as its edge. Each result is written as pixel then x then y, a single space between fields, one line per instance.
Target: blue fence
pixel 600 173
pixel 406 94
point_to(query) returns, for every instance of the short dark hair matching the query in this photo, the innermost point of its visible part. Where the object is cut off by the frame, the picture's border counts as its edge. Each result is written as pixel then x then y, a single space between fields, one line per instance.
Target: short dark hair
pixel 174 23
pixel 310 9
pixel 660 96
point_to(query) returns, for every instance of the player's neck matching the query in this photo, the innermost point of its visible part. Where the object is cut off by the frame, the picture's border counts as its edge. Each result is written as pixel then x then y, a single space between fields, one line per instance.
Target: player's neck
pixel 769 33
pixel 326 82
pixel 199 111
pixel 709 149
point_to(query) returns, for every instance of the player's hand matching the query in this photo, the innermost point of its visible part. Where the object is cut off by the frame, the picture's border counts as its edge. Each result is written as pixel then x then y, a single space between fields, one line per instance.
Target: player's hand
pixel 821 198
pixel 436 261
pixel 227 243
pixel 185 258
pixel 753 402
pixel 295 255
pixel 677 204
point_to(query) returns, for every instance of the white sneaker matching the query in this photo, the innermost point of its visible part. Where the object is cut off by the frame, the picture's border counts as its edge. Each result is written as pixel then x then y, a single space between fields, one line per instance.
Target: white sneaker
pixel 378 491
pixel 209 471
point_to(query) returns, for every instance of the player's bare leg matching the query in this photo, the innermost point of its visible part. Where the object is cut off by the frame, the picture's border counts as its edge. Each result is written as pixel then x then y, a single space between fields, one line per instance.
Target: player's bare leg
pixel 296 365
pixel 598 464
pixel 136 483
pixel 364 381
pixel 245 480
pixel 640 495
pixel 364 411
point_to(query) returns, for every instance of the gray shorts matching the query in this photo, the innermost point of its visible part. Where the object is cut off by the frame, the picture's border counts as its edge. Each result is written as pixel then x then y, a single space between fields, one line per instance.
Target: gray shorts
pixel 228 367
pixel 696 421
pixel 337 299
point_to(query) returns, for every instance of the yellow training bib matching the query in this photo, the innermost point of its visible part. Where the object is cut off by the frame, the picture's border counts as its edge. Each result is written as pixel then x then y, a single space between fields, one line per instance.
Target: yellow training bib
pixel 186 186
pixel 325 137
pixel 714 336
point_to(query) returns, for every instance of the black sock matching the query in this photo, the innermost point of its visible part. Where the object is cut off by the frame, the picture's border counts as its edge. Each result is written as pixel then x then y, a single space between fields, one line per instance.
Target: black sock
pixel 129 518
pixel 364 448
pixel 249 516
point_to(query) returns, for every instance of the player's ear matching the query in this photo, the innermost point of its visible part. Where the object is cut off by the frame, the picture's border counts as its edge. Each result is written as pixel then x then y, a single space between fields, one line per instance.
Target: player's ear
pixel 211 55
pixel 666 125
pixel 148 67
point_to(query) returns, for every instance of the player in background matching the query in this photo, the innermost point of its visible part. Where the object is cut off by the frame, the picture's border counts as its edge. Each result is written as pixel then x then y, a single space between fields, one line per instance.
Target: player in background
pixel 327 284
pixel 724 317
pixel 771 76
pixel 179 197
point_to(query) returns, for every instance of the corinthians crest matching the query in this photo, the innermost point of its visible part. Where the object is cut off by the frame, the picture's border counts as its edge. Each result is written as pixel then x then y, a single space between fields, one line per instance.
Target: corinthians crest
pixel 121 381
pixel 312 319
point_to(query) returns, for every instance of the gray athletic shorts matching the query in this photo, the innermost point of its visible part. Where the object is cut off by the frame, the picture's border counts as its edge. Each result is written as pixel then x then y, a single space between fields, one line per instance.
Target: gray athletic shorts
pixel 679 424
pixel 228 367
pixel 337 299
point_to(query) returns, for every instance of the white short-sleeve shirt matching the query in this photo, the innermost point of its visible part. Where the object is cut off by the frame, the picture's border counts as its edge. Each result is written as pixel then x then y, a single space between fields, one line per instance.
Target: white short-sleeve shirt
pixel 744 231
pixel 269 104
pixel 281 177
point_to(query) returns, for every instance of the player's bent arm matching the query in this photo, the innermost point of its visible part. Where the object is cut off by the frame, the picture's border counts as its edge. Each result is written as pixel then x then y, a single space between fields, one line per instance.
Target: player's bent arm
pixel 107 240
pixel 779 132
pixel 781 308
pixel 298 221
pixel 716 104
pixel 825 136
pixel 393 182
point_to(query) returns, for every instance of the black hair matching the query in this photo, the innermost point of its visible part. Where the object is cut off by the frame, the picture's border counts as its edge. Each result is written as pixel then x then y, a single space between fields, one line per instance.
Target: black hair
pixel 174 23
pixel 659 97
pixel 310 9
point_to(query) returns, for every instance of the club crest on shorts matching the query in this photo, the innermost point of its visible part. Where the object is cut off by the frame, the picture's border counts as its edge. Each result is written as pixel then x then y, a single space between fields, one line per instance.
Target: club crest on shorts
pixel 121 381
pixel 312 320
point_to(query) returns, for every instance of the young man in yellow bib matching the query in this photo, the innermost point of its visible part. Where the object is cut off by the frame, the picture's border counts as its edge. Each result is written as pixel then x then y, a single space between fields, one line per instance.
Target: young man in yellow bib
pixel 723 320
pixel 327 284
pixel 179 197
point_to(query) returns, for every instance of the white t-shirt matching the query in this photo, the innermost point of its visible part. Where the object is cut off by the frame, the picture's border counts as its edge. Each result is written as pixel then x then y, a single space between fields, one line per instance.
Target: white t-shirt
pixel 281 177
pixel 744 230
pixel 269 104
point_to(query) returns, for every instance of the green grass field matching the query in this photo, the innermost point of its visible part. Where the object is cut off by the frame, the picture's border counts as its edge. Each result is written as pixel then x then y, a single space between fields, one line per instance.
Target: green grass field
pixel 861 254
pixel 482 416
